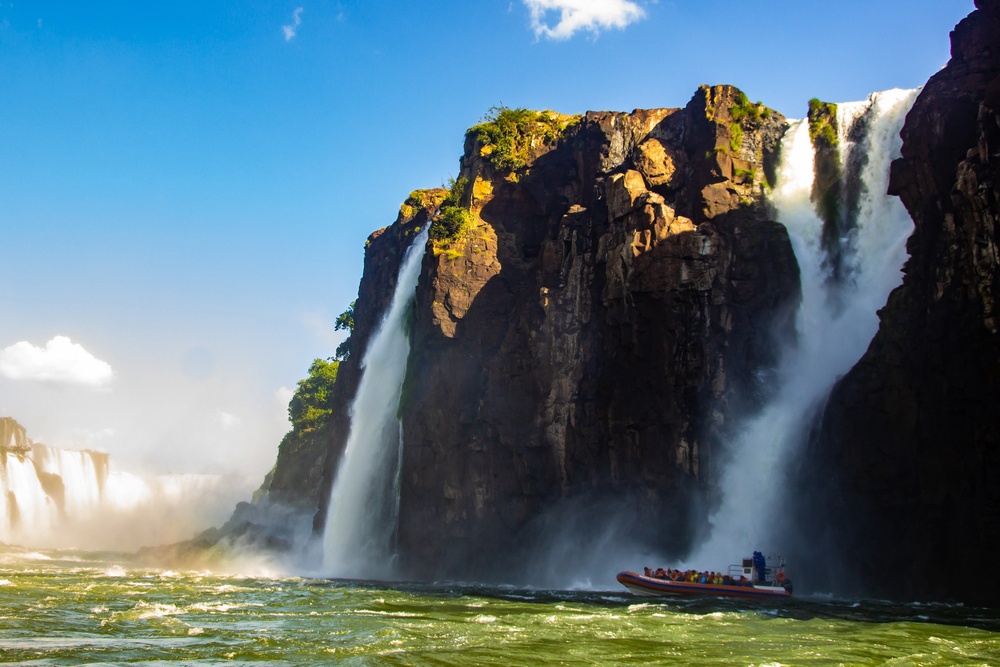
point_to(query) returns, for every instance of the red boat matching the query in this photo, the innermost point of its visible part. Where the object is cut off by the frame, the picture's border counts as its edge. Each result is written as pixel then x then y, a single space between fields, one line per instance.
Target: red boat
pixel 772 585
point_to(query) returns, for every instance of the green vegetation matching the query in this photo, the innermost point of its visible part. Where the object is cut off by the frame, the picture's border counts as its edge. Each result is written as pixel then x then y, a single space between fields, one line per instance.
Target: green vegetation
pixel 417 197
pixel 451 223
pixel 454 218
pixel 312 402
pixel 743 109
pixel 745 174
pixel 345 322
pixel 822 119
pixel 507 135
pixel 735 136
pixel 456 191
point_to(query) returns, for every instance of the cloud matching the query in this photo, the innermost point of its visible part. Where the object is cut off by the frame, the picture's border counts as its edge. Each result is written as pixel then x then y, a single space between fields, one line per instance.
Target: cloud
pixel 296 22
pixel 61 361
pixel 575 15
pixel 227 420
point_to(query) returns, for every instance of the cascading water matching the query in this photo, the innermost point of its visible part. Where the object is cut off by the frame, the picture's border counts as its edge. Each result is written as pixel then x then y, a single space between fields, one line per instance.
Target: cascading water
pixel 52 498
pixel 364 505
pixel 836 319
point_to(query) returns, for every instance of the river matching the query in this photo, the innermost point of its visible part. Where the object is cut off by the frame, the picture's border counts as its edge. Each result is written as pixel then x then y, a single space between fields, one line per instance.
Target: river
pixel 74 607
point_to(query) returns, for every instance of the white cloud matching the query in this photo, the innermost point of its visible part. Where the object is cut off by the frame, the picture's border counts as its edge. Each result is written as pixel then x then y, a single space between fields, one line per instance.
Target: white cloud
pixel 574 15
pixel 60 361
pixel 228 420
pixel 296 22
pixel 282 397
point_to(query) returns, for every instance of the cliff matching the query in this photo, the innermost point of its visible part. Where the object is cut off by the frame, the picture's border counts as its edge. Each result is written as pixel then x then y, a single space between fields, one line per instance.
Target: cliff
pixel 13 438
pixel 907 456
pixel 604 294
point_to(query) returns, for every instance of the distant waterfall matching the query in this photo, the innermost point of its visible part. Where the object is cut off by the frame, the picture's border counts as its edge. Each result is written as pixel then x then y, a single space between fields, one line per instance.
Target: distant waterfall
pixel 51 498
pixel 361 515
pixel 43 486
pixel 835 322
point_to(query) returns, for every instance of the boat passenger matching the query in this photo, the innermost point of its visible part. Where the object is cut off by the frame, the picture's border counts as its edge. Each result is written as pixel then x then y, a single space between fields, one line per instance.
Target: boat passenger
pixel 646 571
pixel 759 564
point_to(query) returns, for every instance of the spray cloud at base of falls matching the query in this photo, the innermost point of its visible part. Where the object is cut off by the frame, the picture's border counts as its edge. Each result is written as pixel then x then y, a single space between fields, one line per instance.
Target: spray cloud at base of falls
pixel 364 505
pixel 836 319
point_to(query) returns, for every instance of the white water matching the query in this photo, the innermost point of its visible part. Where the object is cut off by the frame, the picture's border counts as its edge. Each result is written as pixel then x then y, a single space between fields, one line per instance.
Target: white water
pixel 833 333
pixel 54 498
pixel 361 519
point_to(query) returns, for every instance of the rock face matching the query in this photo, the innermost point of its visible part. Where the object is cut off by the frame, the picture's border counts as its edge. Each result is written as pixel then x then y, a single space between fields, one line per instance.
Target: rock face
pixel 611 307
pixel 13 437
pixel 909 446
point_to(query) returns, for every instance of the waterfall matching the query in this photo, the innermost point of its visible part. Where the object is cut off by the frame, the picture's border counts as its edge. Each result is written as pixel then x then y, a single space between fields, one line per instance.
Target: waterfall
pixel 364 505
pixel 57 498
pixel 836 319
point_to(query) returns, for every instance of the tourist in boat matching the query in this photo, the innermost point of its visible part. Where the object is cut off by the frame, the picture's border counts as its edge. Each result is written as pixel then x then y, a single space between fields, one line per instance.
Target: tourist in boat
pixel 758 565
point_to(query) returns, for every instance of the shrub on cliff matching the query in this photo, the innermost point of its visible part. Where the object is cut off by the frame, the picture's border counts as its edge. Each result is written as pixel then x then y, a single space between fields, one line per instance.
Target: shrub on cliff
pixel 507 135
pixel 743 109
pixel 450 224
pixel 822 119
pixel 311 403
pixel 345 322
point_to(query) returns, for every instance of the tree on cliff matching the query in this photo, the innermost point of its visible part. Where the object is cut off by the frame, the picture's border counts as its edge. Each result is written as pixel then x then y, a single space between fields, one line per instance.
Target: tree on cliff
pixel 312 402
pixel 345 322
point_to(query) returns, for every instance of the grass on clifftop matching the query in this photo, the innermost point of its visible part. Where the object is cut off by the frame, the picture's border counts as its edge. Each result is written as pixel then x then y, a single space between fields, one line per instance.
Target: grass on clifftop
pixel 822 117
pixel 743 111
pixel 507 135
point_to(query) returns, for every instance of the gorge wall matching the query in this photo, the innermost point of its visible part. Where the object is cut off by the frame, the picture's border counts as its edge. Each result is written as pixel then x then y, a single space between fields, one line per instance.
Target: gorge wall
pixel 905 464
pixel 604 304
pixel 608 307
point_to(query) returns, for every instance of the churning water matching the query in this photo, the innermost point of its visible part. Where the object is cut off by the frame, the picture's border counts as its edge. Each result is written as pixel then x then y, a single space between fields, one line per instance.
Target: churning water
pixel 72 608
pixel 363 508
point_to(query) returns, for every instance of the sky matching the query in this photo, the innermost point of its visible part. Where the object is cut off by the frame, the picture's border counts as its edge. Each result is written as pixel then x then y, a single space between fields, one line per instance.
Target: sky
pixel 186 187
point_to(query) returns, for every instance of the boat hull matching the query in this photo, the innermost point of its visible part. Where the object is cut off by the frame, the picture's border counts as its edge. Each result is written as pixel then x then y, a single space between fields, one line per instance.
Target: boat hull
pixel 651 587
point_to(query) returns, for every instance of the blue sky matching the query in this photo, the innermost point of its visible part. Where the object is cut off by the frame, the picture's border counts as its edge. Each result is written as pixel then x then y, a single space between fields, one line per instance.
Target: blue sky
pixel 186 188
